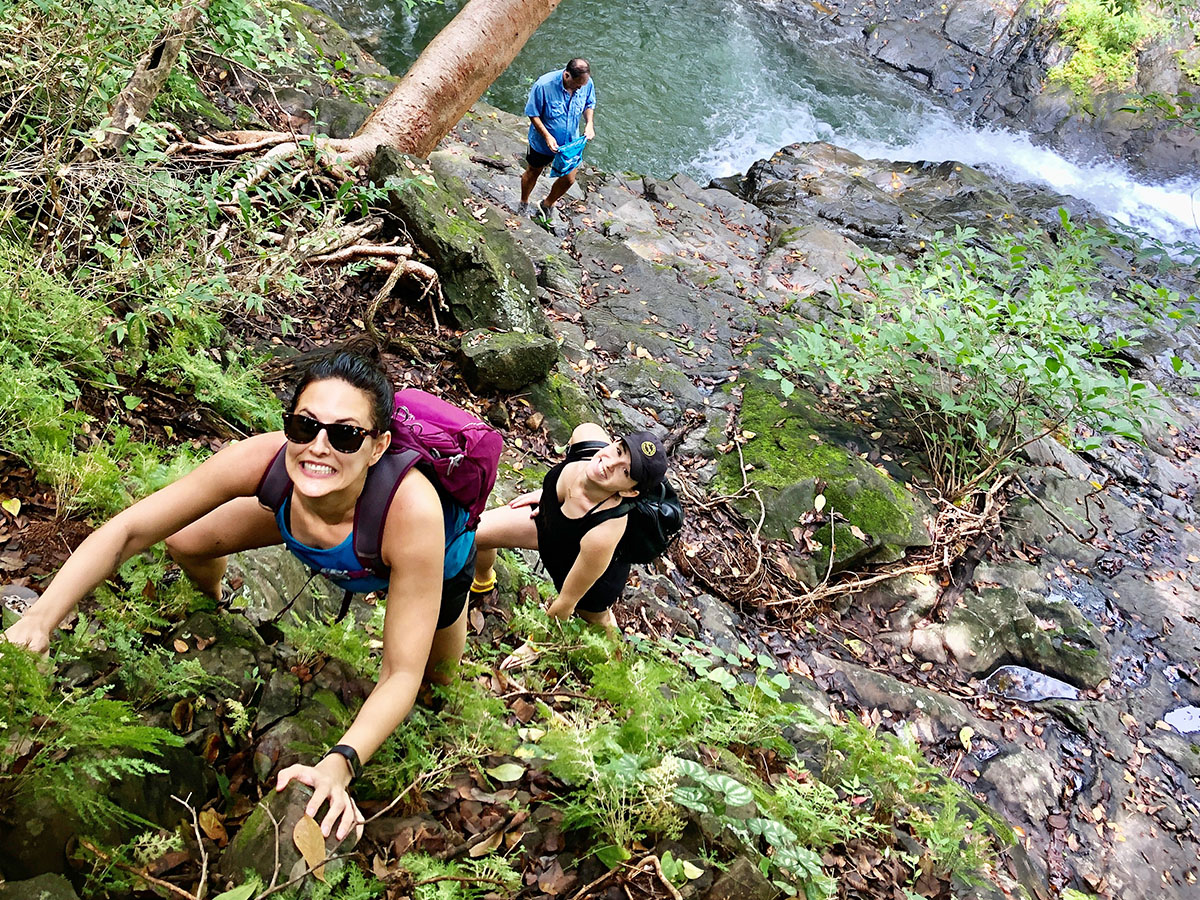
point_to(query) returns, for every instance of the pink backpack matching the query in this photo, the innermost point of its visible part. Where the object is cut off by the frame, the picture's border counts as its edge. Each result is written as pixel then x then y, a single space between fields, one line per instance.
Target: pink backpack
pixel 461 451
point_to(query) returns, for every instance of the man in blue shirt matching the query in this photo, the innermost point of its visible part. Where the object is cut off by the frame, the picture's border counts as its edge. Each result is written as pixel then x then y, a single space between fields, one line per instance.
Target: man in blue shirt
pixel 557 102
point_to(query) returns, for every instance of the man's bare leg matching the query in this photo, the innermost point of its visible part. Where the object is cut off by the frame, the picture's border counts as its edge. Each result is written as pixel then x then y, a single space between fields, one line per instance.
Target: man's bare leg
pixel 529 178
pixel 561 185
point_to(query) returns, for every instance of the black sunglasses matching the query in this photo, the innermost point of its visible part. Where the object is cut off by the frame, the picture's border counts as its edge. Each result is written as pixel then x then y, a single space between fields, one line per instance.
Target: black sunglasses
pixel 342 438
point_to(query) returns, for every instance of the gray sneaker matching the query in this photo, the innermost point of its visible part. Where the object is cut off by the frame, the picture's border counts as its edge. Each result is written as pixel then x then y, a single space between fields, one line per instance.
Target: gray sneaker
pixel 547 217
pixel 525 209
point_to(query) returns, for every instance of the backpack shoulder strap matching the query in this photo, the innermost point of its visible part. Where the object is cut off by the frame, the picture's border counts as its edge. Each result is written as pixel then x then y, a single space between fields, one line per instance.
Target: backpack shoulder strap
pixel 624 508
pixel 370 513
pixel 583 450
pixel 275 484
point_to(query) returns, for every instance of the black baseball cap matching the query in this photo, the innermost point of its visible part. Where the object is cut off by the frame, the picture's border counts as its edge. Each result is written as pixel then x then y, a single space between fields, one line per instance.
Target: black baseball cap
pixel 647 459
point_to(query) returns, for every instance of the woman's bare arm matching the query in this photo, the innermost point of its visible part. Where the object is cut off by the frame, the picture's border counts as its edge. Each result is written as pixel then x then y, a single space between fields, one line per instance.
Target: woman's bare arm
pixel 414 548
pixel 233 472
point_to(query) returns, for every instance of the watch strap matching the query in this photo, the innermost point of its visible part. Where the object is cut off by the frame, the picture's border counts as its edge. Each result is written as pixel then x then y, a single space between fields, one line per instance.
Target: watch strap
pixel 351 756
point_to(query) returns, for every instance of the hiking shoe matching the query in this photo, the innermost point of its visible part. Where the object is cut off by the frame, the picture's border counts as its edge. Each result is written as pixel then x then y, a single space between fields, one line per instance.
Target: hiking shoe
pixel 525 210
pixel 547 217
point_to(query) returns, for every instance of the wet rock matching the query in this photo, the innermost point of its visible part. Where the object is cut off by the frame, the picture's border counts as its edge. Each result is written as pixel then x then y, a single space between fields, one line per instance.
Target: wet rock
pixel 506 361
pixel 254 847
pixel 1021 781
pixel 1046 634
pixel 934 717
pixel 317 724
pixel 487 280
pixel 274 581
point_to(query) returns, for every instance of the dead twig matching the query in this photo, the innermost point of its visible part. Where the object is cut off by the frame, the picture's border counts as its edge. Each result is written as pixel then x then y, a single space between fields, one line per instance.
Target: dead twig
pixel 202 887
pixel 133 870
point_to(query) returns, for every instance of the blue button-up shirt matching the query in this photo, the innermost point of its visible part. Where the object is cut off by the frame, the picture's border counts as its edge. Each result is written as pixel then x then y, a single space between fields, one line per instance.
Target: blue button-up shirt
pixel 559 111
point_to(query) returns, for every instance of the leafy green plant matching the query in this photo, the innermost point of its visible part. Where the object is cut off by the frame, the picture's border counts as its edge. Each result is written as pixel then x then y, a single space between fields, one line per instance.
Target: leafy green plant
pixel 434 879
pixel 69 742
pixel 981 352
pixel 1104 36
pixel 313 639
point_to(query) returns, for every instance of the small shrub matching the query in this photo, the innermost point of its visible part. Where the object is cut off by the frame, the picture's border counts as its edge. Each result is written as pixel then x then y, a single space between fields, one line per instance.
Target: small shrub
pixel 981 352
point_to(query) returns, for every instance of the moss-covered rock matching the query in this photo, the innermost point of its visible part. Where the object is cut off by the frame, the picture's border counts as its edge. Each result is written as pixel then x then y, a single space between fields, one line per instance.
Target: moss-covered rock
pixel 506 360
pixel 259 844
pixel 792 452
pixel 564 404
pixel 488 280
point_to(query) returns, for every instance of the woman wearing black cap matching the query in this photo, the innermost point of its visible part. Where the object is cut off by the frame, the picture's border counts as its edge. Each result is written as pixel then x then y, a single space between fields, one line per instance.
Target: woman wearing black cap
pixel 560 522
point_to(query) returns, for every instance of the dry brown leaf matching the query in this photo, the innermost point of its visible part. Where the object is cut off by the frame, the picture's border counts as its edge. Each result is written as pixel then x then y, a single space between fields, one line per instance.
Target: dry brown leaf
pixel 213 826
pixel 311 843
pixel 483 848
pixel 180 646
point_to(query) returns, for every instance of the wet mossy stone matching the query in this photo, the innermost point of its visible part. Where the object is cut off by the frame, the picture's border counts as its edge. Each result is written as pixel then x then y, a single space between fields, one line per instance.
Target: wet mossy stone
pixel 792 450
pixel 996 626
pixel 564 404
pixel 506 360
pixel 488 280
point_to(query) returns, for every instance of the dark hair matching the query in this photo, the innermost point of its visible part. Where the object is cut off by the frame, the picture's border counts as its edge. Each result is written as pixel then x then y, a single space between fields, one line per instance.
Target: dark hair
pixel 358 364
pixel 578 67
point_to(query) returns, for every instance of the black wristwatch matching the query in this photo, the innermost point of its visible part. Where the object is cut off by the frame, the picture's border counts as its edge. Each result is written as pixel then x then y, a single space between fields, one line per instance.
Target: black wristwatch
pixel 351 756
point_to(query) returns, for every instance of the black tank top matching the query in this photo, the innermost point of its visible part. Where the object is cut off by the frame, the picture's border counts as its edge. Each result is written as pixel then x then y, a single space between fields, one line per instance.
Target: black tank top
pixel 559 537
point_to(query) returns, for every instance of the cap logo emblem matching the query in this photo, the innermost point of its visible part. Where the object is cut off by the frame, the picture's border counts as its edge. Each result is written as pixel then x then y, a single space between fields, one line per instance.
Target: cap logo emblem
pixel 648 448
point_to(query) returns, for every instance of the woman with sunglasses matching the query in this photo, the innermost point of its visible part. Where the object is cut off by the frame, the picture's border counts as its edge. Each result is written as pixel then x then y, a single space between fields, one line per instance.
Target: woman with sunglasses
pixel 335 432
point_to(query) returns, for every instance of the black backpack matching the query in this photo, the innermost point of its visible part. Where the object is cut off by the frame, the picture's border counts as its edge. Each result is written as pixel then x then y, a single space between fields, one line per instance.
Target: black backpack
pixel 655 518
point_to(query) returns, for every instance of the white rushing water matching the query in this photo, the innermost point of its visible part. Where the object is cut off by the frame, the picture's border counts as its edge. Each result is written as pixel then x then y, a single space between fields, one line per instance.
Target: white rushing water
pixel 881 118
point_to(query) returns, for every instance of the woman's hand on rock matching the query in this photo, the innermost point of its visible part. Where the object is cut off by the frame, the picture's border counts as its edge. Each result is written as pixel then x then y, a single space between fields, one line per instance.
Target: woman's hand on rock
pixel 531 500
pixel 329 780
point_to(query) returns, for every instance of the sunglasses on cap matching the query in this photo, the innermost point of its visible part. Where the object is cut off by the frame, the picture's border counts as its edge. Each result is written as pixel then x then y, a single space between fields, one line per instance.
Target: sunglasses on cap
pixel 342 438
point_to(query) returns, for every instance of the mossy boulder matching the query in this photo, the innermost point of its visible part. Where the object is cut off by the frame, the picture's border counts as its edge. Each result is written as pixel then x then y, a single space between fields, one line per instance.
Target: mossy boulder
pixel 564 404
pixel 1047 634
pixel 488 280
pixel 506 360
pixel 790 450
pixel 259 845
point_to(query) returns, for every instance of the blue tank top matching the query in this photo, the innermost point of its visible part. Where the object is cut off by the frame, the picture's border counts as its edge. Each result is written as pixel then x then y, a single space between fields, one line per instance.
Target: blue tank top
pixel 341 566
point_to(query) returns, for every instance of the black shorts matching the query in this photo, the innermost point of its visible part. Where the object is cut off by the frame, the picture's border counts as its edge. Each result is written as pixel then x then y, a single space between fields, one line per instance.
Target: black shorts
pixel 538 160
pixel 454 593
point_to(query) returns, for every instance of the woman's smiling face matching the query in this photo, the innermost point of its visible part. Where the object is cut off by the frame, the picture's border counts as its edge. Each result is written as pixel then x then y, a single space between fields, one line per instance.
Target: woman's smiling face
pixel 316 468
pixel 609 468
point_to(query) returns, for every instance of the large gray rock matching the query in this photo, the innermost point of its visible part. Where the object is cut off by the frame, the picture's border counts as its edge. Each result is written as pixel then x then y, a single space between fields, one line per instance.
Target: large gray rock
pixel 791 449
pixel 1044 633
pixel 43 887
pixel 506 360
pixel 488 281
